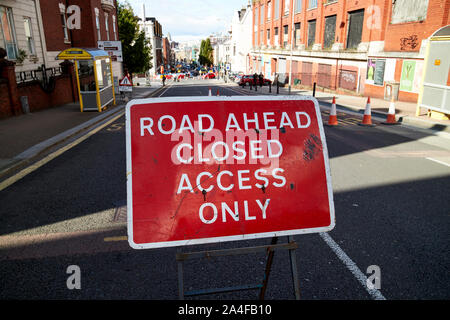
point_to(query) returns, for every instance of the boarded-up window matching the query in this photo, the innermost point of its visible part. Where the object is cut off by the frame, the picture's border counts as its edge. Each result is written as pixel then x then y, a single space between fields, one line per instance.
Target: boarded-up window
pixel 306 73
pixel 324 76
pixel 330 31
pixel 355 26
pixel 348 79
pixel 296 34
pixel 409 10
pixel 285 36
pixel 311 32
pixel 276 14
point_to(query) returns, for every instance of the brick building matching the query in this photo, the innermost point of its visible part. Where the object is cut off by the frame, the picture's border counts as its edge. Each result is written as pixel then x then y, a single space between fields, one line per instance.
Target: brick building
pixel 32 33
pixel 27 81
pixel 97 22
pixel 369 47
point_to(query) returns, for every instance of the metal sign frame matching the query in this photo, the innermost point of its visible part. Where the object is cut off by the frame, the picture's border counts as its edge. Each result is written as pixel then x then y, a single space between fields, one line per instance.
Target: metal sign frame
pixel 232 237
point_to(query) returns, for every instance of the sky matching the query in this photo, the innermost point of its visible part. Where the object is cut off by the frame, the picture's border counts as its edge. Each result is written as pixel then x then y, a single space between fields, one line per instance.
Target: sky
pixel 189 19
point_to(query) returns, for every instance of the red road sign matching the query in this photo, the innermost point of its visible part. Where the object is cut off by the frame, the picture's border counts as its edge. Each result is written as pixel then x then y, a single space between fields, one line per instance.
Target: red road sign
pixel 126 81
pixel 211 169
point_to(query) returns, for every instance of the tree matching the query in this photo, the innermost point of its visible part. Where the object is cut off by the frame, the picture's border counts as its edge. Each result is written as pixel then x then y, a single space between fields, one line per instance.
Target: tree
pixel 205 55
pixel 136 49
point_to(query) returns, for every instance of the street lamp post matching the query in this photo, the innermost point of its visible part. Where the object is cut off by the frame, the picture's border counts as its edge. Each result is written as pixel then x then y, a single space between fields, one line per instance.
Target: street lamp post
pixel 292 46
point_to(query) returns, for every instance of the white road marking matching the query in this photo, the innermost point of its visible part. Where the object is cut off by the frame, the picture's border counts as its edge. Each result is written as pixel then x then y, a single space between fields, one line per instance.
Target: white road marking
pixel 374 293
pixel 438 161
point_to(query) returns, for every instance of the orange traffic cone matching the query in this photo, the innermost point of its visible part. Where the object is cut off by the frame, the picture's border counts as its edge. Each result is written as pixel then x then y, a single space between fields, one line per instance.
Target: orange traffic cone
pixel 390 119
pixel 332 120
pixel 218 92
pixel 209 94
pixel 367 119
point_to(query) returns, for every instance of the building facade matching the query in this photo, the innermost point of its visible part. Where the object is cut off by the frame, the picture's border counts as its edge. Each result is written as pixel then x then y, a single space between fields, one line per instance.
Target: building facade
pixel 241 31
pixel 153 33
pixel 22 34
pixel 364 47
pixel 32 34
pixel 79 23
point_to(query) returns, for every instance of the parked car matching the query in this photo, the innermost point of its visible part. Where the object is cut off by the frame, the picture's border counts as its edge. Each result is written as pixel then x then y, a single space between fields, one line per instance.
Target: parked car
pixel 209 75
pixel 248 78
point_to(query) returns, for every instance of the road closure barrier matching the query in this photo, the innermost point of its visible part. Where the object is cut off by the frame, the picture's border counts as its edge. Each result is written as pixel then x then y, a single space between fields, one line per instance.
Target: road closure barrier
pixel 332 120
pixel 390 119
pixel 367 118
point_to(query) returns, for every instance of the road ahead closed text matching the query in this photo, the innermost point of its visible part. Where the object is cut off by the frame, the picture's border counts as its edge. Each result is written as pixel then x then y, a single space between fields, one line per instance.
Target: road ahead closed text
pixel 225 169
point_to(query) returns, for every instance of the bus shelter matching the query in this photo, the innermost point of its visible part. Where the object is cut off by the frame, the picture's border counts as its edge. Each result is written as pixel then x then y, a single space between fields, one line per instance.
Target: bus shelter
pixel 435 91
pixel 95 83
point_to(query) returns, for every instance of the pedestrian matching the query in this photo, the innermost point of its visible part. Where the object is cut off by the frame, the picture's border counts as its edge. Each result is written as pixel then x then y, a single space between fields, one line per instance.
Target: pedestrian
pixel 164 80
pixel 255 79
pixel 261 79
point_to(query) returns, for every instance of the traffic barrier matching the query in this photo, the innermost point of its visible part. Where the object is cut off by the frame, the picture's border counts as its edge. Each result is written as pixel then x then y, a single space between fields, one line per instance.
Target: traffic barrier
pixel 367 119
pixel 332 120
pixel 390 119
pixel 209 93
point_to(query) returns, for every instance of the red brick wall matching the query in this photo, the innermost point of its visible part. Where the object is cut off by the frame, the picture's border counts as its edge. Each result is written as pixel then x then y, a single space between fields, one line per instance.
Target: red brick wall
pixel 5 101
pixel 437 16
pixel 51 20
pixel 38 99
pixel 86 36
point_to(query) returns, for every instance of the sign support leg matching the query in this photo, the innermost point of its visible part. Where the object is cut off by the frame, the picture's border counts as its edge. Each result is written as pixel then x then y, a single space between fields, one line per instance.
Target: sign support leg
pixel 180 277
pixel 295 280
pixel 262 293
pixel 269 249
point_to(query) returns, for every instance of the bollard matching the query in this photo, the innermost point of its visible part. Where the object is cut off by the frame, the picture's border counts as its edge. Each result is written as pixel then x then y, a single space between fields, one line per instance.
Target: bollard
pixel 270 87
pixel 278 88
pixel 256 86
pixel 314 89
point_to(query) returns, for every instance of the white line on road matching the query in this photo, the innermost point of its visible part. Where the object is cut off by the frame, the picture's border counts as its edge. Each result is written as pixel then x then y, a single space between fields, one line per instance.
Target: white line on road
pixel 438 161
pixel 374 293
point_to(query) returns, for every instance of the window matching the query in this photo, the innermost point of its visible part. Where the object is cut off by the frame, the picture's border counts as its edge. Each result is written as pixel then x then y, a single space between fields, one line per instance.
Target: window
pixel 261 39
pixel 285 36
pixel 298 6
pixel 114 27
pixel 64 27
pixel 311 32
pixel 106 27
pixel 296 34
pixel 286 7
pixel 276 37
pixel 268 36
pixel 276 14
pixel 29 35
pixel 330 31
pixel 312 4
pixel 355 25
pixel 261 14
pixel 269 10
pixel 409 10
pixel 8 32
pixel 97 23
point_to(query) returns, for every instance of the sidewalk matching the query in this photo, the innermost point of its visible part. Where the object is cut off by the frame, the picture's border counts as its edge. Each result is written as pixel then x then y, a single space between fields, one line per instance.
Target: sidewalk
pixel 405 111
pixel 26 136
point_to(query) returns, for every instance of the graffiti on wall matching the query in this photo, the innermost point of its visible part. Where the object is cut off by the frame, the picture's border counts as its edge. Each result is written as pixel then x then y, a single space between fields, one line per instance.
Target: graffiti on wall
pixel 409 43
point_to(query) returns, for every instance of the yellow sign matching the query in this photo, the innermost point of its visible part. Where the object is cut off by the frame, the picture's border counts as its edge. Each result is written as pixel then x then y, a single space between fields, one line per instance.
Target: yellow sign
pixel 437 62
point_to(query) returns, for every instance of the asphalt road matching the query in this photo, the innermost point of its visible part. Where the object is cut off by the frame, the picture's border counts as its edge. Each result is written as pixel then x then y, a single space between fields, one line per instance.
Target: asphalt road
pixel 390 184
